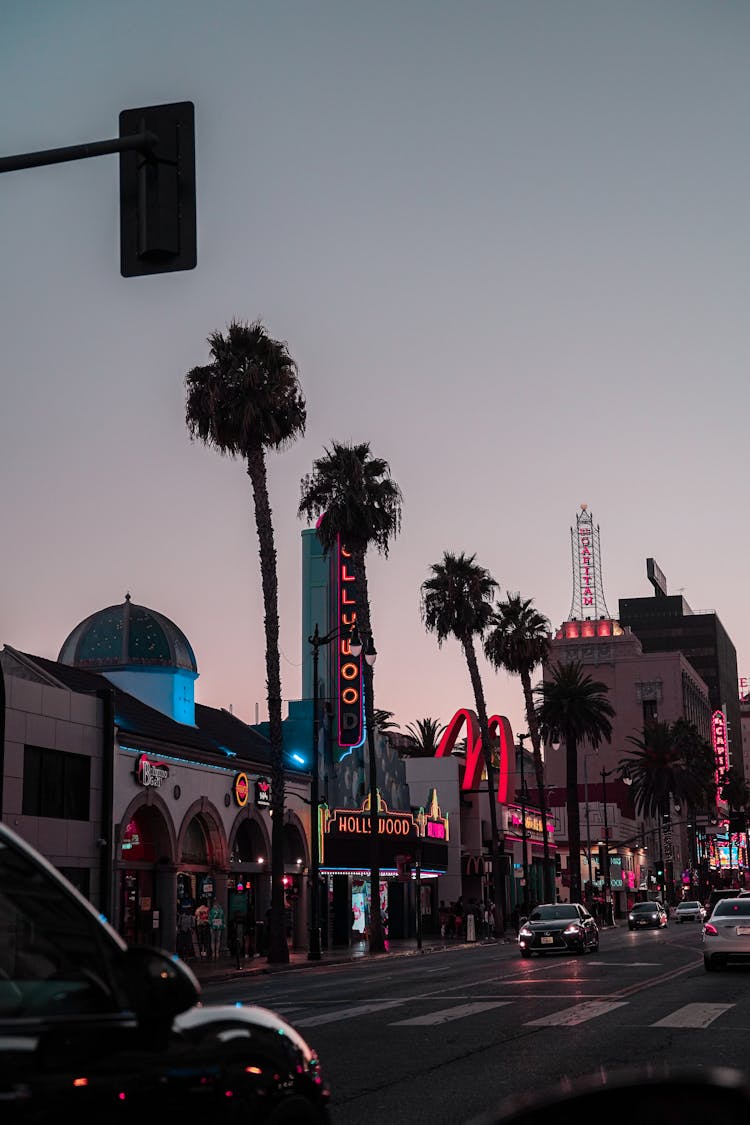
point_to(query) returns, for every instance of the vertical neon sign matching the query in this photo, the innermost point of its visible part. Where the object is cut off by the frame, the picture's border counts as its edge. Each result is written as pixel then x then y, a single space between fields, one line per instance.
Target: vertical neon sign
pixel 719 742
pixel 586 564
pixel 350 667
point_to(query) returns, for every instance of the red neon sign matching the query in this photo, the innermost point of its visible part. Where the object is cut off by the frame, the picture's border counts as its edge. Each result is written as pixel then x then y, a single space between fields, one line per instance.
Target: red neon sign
pixel 350 667
pixel 474 763
pixel 719 741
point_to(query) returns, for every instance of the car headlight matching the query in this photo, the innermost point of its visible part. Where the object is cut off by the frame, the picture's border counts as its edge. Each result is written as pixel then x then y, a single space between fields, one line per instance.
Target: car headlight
pixel 573 928
pixel 631 917
pixel 525 932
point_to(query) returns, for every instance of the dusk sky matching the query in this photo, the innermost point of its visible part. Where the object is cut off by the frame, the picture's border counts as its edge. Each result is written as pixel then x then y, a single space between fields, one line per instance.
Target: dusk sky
pixel 507 243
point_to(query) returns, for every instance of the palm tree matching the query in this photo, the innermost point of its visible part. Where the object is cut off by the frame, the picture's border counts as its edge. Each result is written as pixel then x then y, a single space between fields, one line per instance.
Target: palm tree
pixel 575 708
pixel 425 735
pixel 245 401
pixel 384 721
pixel 671 762
pixel 358 504
pixel 660 770
pixel 456 601
pixel 519 640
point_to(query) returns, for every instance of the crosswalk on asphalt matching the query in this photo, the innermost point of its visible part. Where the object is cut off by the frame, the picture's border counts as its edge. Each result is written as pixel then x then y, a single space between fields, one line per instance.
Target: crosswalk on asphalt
pixel 689 1016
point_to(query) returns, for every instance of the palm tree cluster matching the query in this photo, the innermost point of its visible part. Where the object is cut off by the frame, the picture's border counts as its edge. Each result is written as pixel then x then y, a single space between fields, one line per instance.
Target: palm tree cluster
pixel 670 761
pixel 247 401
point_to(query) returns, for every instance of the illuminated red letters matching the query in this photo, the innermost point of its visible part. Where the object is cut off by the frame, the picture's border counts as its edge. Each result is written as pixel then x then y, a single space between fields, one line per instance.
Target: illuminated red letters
pixel 498 725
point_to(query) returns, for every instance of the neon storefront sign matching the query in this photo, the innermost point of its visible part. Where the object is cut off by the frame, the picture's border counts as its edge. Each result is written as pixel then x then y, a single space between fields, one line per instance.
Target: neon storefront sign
pixel 499 728
pixel 150 774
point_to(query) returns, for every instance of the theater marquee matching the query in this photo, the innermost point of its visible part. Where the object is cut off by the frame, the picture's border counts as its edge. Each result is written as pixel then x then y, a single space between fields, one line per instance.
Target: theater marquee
pixel 345 836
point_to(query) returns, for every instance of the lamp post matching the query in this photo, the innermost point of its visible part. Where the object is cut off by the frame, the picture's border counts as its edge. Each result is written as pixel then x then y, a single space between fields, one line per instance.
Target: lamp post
pixel 588 822
pixel 625 776
pixel 377 943
pixel 526 898
pixel 314 953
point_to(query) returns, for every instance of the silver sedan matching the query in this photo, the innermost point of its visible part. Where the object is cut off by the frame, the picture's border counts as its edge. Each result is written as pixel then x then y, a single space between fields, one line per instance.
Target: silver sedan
pixel 689 911
pixel 726 934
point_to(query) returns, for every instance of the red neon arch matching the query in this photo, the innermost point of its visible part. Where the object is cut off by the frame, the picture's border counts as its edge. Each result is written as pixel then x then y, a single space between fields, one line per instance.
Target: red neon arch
pixel 474 764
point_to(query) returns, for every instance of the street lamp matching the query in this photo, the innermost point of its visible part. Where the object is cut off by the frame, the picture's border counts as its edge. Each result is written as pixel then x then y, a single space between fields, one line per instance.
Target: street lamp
pixel 524 794
pixel 377 944
pixel 625 776
pixel 314 953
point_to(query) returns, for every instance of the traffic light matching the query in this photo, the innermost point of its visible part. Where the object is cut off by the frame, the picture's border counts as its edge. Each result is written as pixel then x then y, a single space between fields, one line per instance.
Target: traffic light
pixel 660 872
pixel 157 191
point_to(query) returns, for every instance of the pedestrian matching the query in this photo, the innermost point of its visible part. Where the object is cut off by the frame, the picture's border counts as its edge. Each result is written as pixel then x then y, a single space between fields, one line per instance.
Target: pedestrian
pixel 185 931
pixel 203 929
pixel 443 918
pixel 216 922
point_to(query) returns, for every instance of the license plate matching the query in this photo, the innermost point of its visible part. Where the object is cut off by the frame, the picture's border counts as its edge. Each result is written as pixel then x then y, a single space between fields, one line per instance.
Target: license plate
pixel 550 940
pixel 743 931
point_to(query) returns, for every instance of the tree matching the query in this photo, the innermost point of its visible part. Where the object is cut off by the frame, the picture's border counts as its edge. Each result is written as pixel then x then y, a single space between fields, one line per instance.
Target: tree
pixel 456 601
pixel 245 401
pixel 574 708
pixel 384 721
pixel 518 640
pixel 358 504
pixel 425 735
pixel 668 763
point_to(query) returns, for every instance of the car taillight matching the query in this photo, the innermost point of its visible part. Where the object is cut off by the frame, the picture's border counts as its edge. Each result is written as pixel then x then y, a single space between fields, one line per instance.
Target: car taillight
pixel 710 929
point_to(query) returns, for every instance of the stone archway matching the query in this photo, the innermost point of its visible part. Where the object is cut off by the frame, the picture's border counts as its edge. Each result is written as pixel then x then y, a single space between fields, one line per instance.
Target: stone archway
pixel 296 863
pixel 144 890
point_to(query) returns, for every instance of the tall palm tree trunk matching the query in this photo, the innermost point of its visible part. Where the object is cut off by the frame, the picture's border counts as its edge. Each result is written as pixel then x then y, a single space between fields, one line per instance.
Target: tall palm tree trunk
pixel 574 817
pixel 498 891
pixel 278 950
pixel 533 723
pixel 377 938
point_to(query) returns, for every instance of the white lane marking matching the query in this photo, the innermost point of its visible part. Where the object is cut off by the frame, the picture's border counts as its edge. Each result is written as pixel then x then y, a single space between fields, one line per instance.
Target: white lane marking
pixel 694 1015
pixel 348 1013
pixel 448 1014
pixel 629 964
pixel 570 1017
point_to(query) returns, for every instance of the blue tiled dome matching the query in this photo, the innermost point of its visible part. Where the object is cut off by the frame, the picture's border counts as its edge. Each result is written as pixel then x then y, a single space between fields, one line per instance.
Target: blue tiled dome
pixel 127 636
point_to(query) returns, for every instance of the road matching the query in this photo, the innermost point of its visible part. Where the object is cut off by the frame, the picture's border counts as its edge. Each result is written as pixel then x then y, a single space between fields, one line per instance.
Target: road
pixel 444 1037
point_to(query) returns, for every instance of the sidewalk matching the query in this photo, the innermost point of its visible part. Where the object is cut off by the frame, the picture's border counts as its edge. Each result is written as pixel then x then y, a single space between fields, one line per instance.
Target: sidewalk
pixel 224 967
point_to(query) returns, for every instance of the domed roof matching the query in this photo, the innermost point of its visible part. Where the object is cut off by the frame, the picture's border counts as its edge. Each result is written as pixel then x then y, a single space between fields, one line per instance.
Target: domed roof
pixel 127 636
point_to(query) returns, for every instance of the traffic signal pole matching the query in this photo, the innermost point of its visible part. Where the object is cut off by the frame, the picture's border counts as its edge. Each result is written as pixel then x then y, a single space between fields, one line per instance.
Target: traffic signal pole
pixel 157 185
pixel 139 142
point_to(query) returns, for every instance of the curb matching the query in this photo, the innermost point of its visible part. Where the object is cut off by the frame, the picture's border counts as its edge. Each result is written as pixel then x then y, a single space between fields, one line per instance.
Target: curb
pixel 208 975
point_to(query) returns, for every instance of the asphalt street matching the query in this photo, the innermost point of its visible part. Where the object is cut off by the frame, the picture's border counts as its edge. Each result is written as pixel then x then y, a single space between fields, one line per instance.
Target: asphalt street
pixel 447 1036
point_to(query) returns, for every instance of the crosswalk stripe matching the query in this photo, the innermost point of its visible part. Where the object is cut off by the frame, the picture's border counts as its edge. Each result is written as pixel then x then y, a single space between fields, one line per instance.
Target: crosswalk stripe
pixel 693 1015
pixel 347 1013
pixel 570 1017
pixel 448 1014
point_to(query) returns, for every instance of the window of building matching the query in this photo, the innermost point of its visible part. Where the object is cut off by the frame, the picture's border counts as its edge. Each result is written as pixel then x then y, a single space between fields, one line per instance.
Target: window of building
pixel 56 784
pixel 650 713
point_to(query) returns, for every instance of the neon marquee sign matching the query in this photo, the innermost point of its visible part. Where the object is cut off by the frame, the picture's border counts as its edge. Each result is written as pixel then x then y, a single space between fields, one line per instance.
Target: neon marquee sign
pixel 474 764
pixel 350 666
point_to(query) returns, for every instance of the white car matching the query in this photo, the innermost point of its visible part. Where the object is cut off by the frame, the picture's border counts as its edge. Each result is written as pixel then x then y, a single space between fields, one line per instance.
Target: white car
pixel 690 911
pixel 726 934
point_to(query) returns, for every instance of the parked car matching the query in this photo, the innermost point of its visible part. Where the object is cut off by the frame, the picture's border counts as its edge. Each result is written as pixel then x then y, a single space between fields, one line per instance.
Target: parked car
pixel 93 1030
pixel 726 934
pixel 553 927
pixel 689 911
pixel 643 915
